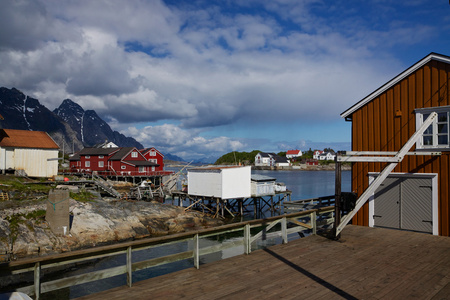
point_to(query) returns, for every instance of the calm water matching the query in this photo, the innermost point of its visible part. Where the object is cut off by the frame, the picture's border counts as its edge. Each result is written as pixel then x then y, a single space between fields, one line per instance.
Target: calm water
pixel 309 184
pixel 303 184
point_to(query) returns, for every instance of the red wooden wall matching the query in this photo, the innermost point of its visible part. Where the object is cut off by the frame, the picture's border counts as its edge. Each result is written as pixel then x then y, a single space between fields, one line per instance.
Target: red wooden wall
pixel 388 121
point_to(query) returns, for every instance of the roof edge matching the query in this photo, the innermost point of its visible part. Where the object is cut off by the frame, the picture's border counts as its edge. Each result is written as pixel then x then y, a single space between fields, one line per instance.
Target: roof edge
pixel 395 80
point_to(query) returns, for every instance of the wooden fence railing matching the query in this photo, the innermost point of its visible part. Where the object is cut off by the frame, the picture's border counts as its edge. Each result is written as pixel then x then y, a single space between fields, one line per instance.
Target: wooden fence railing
pixel 298 222
pixel 306 204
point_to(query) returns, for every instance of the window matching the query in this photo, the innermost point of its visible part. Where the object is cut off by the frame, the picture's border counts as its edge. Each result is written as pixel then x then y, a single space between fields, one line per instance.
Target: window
pixel 141 169
pixel 155 161
pixel 152 153
pixel 123 167
pixel 437 134
pixel 101 164
pixel 87 164
pixel 134 154
pixel 100 156
pixel 87 157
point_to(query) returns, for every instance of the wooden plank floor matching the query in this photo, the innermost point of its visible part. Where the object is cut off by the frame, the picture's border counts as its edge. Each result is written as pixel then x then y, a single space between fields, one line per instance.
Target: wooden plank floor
pixel 367 263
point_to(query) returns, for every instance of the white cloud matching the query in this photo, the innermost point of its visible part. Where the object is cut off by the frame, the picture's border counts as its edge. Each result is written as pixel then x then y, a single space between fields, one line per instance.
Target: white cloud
pixel 205 65
pixel 186 143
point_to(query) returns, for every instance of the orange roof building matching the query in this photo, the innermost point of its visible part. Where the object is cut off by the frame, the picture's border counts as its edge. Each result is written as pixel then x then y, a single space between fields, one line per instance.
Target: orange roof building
pixel 33 153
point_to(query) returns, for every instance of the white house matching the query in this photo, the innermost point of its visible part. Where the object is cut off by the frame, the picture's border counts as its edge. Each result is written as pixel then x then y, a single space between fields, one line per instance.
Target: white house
pixel 292 154
pixel 317 153
pixel 270 160
pixel 224 182
pixel 327 156
pixel 32 152
pixel 265 159
pixel 281 161
pixel 106 144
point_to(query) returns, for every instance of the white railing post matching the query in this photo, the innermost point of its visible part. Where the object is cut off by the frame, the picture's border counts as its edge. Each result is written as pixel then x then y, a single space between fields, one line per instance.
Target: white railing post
pixel 247 243
pixel 37 280
pixel 129 267
pixel 196 252
pixel 313 217
pixel 284 230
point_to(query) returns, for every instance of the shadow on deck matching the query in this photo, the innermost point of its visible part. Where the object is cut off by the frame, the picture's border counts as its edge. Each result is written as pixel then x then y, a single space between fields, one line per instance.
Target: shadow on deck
pixel 369 263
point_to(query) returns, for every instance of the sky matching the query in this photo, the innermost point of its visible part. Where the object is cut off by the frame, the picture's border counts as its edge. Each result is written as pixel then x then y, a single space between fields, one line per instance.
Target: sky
pixel 199 79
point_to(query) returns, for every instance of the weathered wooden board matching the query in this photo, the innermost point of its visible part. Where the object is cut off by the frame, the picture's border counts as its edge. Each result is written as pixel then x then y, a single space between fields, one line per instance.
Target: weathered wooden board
pixel 367 263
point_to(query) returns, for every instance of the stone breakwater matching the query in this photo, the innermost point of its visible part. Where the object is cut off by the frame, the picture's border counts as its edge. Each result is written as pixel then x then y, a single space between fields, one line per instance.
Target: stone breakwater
pixel 93 224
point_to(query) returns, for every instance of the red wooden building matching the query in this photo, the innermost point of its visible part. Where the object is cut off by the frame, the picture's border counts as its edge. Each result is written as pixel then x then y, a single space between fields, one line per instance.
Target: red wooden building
pixel 122 161
pixel 153 155
pixel 415 196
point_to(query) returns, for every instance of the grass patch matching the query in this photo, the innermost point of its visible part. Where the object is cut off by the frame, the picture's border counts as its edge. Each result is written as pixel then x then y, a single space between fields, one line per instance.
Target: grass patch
pixel 20 188
pixel 82 196
pixel 35 215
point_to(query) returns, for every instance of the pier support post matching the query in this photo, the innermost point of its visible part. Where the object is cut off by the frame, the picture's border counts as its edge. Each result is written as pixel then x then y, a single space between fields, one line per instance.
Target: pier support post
pixel 129 267
pixel 241 206
pixel 313 217
pixel 284 230
pixel 247 243
pixel 337 200
pixel 37 280
pixel 196 252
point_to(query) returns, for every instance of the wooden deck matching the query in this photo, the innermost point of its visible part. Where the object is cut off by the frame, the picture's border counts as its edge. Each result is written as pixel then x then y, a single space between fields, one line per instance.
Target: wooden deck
pixel 367 263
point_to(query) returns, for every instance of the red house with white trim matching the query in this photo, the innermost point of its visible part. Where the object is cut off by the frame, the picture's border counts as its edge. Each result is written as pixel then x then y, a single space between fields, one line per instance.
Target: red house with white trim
pixel 153 155
pixel 128 161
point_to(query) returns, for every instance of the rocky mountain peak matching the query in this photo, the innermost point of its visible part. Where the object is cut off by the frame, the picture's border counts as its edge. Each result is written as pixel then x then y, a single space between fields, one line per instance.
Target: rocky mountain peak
pixel 69 124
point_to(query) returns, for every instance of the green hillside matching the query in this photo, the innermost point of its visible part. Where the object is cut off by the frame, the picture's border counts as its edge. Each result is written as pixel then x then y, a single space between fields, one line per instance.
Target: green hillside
pixel 233 158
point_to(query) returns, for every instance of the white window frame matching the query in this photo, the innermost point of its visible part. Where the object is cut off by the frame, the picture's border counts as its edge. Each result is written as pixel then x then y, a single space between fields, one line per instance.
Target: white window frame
pixel 87 164
pixel 134 154
pixel 87 157
pixel 432 131
pixel 123 167
pixel 153 153
pixel 100 156
pixel 141 169
pixel 101 164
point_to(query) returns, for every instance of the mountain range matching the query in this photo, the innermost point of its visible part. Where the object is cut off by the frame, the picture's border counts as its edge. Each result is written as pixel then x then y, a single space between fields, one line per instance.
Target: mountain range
pixel 70 126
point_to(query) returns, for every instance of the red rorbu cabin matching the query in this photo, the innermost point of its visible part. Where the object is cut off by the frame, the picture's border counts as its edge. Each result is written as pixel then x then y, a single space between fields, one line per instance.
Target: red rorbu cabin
pixel 126 161
pixel 415 195
pixel 153 155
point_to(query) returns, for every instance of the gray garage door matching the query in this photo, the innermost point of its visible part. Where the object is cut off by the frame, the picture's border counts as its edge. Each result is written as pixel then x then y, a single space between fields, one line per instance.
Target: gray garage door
pixel 404 203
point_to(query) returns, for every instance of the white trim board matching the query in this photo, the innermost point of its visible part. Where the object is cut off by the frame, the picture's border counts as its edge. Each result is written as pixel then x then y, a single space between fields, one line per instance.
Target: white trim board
pixel 434 195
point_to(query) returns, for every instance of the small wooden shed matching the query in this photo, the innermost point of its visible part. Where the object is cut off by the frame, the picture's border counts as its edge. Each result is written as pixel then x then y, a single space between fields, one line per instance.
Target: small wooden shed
pixel 416 194
pixel 33 152
pixel 224 182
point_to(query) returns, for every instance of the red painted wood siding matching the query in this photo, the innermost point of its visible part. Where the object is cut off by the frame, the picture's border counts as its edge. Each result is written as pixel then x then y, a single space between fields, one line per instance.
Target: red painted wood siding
pixel 159 159
pixel 375 127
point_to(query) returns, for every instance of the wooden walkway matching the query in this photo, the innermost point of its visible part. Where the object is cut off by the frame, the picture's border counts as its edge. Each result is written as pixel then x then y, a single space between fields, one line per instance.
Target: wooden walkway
pixel 367 263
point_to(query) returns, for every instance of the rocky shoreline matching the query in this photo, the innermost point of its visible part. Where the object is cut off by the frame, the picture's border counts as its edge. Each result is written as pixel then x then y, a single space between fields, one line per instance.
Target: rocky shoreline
pixel 95 223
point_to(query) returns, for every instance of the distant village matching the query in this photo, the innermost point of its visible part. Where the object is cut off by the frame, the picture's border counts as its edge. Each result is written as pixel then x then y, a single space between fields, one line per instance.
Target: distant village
pixel 293 157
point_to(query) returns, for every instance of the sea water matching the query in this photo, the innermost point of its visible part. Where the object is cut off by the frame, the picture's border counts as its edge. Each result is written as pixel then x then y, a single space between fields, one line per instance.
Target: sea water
pixel 309 184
